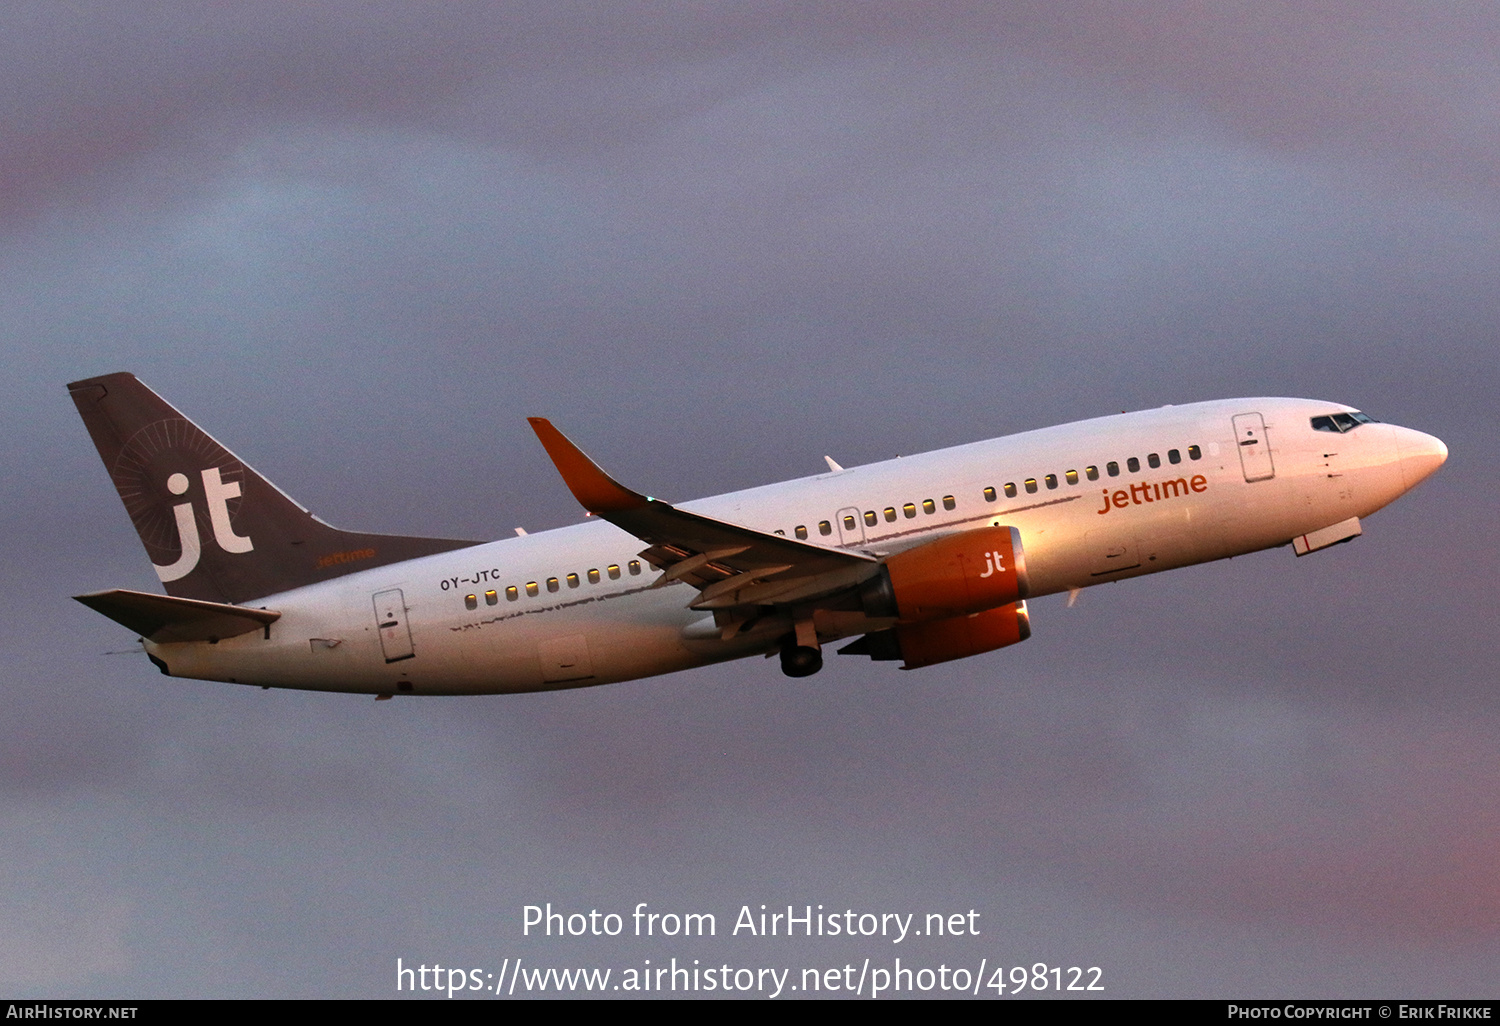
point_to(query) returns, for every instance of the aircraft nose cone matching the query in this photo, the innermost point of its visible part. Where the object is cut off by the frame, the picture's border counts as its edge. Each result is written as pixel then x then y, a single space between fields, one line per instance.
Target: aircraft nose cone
pixel 1420 455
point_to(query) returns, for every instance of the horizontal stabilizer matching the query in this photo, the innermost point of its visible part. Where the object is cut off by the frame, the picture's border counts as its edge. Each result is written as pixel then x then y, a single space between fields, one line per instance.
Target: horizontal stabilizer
pixel 163 618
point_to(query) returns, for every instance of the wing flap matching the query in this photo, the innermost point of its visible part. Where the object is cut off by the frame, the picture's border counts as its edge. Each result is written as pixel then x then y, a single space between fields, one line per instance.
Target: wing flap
pixel 163 618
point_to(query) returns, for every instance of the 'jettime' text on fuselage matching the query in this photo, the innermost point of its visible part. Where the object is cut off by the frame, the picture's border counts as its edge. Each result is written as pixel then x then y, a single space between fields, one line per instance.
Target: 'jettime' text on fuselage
pixel 1175 488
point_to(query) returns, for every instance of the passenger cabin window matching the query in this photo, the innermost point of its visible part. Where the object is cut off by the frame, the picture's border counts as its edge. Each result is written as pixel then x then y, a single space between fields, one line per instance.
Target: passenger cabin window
pixel 1113 468
pixel 780 532
pixel 635 567
pixel 890 514
pixel 1051 480
pixel 928 506
pixel 850 523
pixel 949 502
pixel 532 589
pixel 802 531
pixel 511 594
pixel 989 494
pixel 870 518
pixel 1173 456
pixel 1071 476
pixel 470 602
pixel 593 576
pixel 572 580
pixel 613 570
pixel 1010 489
pixel 909 510
pixel 1092 473
pixel 552 584
pixel 1031 485
pixel 824 527
pixel 1154 460
pixel 1194 453
pixel 1133 465
pixel 491 598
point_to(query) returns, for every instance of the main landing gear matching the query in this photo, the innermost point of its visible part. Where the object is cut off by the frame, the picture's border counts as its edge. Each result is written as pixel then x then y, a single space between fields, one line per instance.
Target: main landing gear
pixel 799 660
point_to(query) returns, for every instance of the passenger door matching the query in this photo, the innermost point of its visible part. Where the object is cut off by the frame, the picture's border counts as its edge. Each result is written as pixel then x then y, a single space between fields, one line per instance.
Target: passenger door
pixel 390 618
pixel 1255 450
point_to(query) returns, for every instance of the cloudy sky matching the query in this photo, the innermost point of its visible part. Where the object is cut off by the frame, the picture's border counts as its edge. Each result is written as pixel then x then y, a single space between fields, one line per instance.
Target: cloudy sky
pixel 359 243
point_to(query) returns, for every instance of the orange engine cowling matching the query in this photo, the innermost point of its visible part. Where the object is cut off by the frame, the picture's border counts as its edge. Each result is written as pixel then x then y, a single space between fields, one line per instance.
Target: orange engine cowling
pixel 954 637
pixel 937 641
pixel 954 597
pixel 955 576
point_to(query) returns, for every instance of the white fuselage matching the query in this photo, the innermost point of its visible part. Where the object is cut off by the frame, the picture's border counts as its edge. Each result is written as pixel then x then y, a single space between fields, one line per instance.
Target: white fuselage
pixel 459 630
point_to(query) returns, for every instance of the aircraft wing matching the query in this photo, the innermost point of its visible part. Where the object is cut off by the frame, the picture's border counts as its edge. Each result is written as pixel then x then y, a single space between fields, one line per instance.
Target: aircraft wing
pixel 730 565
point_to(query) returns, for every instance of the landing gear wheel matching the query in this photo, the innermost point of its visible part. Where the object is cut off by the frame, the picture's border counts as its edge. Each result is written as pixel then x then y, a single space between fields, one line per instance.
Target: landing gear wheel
pixel 799 660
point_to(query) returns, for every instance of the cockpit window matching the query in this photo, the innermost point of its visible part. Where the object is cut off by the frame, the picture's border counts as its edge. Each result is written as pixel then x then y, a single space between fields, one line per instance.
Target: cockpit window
pixel 1341 422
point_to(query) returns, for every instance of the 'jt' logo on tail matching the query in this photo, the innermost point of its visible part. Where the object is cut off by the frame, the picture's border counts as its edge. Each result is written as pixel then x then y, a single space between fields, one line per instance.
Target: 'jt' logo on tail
pixel 217 492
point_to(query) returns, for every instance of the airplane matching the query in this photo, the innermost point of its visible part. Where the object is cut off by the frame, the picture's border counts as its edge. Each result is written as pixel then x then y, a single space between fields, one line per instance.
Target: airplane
pixel 922 559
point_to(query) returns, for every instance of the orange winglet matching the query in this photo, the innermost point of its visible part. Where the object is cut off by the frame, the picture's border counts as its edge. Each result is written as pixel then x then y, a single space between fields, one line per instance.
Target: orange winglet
pixel 592 487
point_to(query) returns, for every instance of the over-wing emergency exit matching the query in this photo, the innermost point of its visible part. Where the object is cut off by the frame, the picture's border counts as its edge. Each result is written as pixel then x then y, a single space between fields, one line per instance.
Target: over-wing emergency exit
pixel 921 560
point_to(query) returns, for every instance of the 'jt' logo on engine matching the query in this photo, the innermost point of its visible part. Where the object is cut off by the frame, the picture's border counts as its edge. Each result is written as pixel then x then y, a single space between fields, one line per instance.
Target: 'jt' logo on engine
pixel 217 493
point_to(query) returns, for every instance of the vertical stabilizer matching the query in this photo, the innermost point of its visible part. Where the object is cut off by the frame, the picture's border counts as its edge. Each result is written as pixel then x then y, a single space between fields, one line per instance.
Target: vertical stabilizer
pixel 215 529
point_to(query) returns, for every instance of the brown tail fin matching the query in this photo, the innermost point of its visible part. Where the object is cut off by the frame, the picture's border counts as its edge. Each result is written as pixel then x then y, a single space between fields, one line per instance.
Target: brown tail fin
pixel 215 529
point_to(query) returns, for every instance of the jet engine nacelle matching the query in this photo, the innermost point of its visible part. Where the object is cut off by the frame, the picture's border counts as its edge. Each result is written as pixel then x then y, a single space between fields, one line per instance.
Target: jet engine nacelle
pixel 954 576
pixel 954 637
pixel 938 641
pixel 953 597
